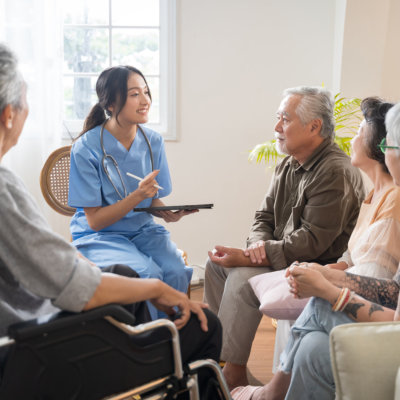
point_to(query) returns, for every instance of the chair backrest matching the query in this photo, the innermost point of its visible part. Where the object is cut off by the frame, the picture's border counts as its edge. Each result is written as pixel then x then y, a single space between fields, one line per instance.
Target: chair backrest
pixel 54 180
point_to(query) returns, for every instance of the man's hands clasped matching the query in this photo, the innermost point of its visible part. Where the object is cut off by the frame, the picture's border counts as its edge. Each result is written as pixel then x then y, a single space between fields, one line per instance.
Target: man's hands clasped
pixel 229 257
pixel 256 252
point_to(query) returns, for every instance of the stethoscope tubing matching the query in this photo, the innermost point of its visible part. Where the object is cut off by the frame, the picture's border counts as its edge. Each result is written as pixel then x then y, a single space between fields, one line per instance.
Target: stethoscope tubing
pixel 109 156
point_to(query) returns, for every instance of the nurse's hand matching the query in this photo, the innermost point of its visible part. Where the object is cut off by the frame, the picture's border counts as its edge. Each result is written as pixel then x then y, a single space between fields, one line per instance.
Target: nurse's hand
pixel 174 216
pixel 147 188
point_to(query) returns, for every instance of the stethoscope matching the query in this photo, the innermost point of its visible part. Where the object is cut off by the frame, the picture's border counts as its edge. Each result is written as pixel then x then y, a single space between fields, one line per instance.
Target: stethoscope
pixel 110 157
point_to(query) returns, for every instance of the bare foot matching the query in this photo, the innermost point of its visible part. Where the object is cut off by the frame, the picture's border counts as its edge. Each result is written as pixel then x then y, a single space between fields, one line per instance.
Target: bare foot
pixel 235 375
pixel 275 389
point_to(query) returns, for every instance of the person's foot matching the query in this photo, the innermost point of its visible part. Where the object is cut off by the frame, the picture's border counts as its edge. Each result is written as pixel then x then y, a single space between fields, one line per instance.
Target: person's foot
pixel 275 389
pixel 235 375
pixel 253 381
pixel 247 393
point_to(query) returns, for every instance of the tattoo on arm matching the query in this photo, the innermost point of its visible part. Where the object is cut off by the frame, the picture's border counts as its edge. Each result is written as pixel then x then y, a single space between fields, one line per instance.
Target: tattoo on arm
pixel 352 309
pixel 381 291
pixel 375 307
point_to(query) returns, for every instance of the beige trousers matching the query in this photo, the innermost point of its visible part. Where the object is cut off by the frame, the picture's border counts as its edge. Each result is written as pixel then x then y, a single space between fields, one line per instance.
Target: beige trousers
pixel 231 297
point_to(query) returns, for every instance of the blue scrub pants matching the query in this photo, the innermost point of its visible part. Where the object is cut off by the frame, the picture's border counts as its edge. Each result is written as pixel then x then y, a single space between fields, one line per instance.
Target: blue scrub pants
pixel 149 251
pixel 306 355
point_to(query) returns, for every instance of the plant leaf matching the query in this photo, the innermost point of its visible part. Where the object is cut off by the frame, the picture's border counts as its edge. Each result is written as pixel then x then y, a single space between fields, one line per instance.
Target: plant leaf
pixel 347 116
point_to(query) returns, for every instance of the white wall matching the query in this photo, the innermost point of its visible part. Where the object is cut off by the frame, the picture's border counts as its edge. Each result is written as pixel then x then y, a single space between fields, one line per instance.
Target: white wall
pixel 371 57
pixel 391 67
pixel 234 59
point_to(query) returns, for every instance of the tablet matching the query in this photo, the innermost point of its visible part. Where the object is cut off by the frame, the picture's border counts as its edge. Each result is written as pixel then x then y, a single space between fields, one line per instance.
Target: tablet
pixel 176 208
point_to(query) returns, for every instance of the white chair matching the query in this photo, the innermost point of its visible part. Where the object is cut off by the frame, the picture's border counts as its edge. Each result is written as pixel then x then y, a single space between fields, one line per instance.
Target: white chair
pixel 365 360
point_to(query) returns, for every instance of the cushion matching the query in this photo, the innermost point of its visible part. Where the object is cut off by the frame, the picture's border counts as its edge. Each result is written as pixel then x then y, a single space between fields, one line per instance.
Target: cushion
pixel 365 359
pixel 272 290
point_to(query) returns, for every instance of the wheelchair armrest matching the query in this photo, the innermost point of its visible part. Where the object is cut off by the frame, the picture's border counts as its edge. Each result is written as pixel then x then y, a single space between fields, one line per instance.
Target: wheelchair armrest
pixel 63 319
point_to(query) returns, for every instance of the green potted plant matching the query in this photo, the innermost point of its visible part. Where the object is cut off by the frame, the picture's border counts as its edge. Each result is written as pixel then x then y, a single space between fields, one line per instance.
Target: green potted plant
pixel 347 115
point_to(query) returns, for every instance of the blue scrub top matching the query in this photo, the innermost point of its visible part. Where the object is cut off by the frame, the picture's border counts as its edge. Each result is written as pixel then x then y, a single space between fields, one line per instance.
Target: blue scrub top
pixel 89 185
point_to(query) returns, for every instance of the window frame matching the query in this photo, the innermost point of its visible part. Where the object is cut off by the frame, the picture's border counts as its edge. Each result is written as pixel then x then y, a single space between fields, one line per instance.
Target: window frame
pixel 167 73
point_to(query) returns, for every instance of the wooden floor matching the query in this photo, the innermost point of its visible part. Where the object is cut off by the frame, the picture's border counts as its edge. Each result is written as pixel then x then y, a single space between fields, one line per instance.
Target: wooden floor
pixel 262 352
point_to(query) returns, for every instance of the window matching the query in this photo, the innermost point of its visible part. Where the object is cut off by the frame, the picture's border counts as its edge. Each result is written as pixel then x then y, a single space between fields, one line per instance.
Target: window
pixel 102 33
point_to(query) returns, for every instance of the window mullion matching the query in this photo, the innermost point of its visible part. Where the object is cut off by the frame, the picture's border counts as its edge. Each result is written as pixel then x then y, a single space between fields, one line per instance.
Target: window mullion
pixel 110 52
pixel 164 116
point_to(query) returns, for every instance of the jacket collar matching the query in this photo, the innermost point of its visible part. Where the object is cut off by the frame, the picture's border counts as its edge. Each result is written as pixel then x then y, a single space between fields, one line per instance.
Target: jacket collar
pixel 315 156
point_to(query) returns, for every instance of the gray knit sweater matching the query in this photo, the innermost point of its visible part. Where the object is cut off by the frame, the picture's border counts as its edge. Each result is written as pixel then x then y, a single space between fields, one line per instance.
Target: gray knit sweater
pixel 39 271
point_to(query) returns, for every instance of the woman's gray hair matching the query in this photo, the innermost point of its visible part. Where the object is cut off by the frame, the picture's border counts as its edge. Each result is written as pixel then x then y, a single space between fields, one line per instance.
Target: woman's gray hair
pixel 392 122
pixel 316 103
pixel 11 81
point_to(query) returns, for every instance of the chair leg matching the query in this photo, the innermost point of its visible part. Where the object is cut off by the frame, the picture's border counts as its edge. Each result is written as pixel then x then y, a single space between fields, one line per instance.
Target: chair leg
pixel 195 365
pixel 193 386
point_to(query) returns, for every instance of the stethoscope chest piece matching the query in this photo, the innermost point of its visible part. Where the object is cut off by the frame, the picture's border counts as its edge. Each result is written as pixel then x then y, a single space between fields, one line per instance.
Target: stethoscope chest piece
pixel 109 157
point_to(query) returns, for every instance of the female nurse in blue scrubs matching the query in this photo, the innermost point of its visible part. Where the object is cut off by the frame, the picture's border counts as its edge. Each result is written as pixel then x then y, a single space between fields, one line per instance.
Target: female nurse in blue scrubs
pixel 113 143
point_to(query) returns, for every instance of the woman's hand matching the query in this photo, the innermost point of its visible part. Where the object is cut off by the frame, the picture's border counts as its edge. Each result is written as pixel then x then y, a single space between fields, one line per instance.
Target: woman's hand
pixel 147 188
pixel 173 216
pixel 167 215
pixel 341 265
pixel 306 282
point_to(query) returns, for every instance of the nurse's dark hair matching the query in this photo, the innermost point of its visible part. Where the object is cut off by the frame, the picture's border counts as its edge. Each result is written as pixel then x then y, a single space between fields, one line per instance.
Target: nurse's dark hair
pixel 374 110
pixel 112 90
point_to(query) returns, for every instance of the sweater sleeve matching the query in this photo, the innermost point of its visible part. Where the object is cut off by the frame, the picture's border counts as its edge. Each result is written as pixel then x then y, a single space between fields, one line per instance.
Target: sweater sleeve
pixel 36 258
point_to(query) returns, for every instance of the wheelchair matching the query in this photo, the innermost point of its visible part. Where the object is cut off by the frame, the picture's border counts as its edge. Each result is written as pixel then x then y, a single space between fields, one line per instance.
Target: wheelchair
pixel 99 354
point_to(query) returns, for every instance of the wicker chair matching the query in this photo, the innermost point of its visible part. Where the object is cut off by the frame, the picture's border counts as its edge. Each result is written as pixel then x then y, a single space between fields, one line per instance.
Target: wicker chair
pixel 54 180
pixel 54 183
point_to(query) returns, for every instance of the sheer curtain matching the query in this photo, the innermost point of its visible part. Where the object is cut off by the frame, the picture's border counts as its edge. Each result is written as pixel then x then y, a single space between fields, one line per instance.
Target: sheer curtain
pixel 33 30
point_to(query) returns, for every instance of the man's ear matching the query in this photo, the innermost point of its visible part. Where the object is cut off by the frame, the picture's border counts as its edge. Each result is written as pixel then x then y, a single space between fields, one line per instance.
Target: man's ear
pixel 7 116
pixel 316 125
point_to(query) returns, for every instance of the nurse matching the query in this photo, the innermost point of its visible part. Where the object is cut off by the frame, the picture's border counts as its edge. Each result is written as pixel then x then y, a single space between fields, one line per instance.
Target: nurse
pixel 113 142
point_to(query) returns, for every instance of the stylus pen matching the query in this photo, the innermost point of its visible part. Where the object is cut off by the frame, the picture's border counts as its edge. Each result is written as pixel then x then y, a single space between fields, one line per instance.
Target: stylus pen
pixel 140 179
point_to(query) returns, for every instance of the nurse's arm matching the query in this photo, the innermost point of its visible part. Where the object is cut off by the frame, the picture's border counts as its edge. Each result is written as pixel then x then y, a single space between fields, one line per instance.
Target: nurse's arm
pixel 100 217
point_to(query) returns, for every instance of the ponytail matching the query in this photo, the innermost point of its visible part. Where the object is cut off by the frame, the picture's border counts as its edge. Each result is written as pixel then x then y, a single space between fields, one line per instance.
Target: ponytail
pixel 112 91
pixel 96 117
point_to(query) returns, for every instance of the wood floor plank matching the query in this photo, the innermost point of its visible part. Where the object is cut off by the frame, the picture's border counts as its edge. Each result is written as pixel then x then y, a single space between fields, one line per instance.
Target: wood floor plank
pixel 262 352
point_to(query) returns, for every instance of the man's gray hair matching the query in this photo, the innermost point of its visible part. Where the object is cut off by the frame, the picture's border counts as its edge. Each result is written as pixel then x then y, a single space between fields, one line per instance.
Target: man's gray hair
pixel 11 81
pixel 392 122
pixel 315 103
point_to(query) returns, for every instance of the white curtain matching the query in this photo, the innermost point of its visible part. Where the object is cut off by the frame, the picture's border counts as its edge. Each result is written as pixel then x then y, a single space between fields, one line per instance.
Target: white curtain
pixel 33 30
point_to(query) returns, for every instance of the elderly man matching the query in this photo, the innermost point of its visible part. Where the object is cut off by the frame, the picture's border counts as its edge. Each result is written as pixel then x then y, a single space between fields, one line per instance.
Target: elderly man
pixel 308 214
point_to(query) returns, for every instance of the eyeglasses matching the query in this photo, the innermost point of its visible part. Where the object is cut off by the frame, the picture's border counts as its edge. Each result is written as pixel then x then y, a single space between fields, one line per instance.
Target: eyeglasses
pixel 383 146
